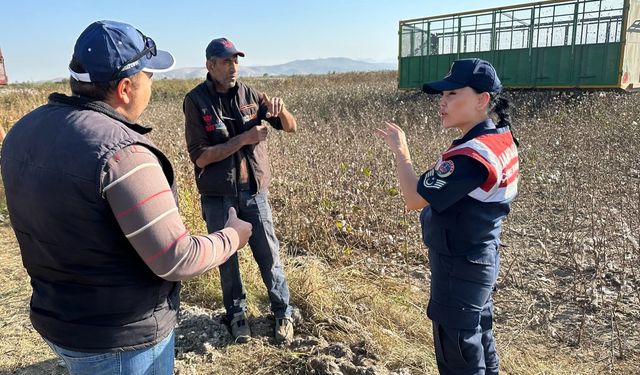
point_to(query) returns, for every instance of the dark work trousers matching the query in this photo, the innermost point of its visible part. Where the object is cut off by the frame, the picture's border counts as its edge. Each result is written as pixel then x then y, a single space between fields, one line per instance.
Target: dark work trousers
pixel 461 308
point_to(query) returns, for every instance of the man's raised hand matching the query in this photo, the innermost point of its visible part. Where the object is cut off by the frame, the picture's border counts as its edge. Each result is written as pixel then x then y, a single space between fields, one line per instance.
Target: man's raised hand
pixel 274 105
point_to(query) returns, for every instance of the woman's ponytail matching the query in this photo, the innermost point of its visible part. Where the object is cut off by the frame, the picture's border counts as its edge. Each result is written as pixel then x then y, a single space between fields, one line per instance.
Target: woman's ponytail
pixel 500 107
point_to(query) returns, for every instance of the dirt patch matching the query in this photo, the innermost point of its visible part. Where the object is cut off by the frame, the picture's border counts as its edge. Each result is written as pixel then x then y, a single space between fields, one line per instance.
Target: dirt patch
pixel 202 335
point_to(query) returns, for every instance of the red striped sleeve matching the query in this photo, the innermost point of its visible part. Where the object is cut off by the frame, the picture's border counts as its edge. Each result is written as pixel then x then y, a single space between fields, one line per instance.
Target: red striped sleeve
pixel 139 204
pixel 155 256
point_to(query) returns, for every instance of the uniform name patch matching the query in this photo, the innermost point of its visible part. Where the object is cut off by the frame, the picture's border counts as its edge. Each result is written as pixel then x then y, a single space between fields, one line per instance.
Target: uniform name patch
pixel 431 180
pixel 445 169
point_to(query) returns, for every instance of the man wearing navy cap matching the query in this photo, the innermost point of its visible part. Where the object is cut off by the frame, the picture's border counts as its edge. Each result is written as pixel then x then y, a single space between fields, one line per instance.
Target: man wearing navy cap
pixel 226 140
pixel 92 204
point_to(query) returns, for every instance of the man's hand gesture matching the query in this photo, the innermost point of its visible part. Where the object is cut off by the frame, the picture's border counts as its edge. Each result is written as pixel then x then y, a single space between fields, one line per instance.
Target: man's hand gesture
pixel 274 105
pixel 242 228
pixel 255 135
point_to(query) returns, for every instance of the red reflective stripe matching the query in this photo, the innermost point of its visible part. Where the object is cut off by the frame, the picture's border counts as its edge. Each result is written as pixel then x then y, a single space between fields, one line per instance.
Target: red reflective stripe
pixel 515 173
pixel 496 142
pixel 510 179
pixel 510 164
pixel 129 210
pixel 155 256
pixel 492 177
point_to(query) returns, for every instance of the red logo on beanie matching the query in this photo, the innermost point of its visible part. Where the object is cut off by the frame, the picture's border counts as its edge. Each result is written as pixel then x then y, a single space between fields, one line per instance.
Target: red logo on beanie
pixel 227 43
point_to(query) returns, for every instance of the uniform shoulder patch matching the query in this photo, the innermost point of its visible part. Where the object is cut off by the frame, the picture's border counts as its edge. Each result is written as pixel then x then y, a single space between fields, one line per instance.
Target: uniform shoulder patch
pixel 431 180
pixel 445 168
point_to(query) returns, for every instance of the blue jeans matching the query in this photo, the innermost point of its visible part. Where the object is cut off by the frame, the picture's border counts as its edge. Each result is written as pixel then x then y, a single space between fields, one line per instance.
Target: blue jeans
pixel 153 360
pixel 253 208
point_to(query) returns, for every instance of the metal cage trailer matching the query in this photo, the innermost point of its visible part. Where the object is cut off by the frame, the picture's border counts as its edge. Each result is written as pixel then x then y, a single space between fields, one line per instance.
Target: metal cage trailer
pixel 550 44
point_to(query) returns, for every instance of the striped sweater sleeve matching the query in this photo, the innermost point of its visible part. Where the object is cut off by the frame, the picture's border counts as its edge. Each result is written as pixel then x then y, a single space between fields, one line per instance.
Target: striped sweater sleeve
pixel 141 200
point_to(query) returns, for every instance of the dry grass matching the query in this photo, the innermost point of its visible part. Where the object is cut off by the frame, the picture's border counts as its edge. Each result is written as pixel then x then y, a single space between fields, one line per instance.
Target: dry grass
pixel 340 304
pixel 20 347
pixel 568 300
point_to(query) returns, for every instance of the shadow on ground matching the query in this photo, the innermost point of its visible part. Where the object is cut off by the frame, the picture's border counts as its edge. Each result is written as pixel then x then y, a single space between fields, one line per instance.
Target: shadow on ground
pixel 48 367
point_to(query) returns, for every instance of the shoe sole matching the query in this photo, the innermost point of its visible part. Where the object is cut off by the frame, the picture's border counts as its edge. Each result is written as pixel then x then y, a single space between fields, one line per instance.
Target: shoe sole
pixel 242 339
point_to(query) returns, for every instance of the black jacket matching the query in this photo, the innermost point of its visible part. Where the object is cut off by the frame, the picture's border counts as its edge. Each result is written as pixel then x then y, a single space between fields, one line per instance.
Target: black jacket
pixel 205 126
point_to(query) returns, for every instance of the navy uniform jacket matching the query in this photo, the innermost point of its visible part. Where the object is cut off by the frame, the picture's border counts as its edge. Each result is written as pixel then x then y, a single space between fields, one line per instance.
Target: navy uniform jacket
pixel 469 191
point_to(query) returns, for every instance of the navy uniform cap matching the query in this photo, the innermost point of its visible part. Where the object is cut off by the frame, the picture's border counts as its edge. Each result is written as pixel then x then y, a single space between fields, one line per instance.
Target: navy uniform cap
pixel 475 73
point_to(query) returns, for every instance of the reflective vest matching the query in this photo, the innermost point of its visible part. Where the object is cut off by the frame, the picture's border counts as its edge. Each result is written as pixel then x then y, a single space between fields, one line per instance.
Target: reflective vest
pixel 499 154
pixel 472 224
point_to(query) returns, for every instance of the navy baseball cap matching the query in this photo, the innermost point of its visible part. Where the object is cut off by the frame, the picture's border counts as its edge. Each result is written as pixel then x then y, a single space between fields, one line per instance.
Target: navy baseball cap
pixel 109 50
pixel 222 48
pixel 475 73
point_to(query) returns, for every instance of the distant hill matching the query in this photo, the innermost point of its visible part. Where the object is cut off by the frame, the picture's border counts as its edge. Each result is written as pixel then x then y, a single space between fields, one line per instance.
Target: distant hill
pixel 310 66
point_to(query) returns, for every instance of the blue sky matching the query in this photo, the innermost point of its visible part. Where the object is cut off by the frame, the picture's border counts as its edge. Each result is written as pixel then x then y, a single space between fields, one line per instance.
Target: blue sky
pixel 37 36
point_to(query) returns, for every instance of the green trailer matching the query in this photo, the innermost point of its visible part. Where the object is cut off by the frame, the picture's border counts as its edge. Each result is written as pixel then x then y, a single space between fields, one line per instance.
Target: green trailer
pixel 550 44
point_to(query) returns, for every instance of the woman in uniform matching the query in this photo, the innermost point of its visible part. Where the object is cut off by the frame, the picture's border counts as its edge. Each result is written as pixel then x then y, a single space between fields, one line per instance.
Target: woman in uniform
pixel 464 199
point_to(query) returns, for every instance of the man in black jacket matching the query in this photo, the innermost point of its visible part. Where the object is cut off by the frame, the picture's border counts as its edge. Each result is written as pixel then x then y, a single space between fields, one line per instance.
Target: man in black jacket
pixel 226 141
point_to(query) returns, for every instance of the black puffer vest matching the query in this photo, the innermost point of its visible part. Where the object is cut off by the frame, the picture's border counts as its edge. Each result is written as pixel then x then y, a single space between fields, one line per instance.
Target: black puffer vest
pixel 91 290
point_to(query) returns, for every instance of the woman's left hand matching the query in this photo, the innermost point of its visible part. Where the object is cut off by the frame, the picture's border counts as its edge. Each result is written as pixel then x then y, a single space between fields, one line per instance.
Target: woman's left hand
pixel 395 138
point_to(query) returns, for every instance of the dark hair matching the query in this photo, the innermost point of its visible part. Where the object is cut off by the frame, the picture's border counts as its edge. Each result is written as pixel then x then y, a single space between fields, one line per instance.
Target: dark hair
pixel 499 106
pixel 92 90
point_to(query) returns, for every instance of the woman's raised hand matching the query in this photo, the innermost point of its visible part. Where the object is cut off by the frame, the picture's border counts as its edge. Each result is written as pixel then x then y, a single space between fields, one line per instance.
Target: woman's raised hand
pixel 395 138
